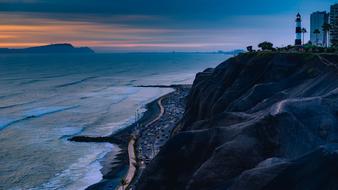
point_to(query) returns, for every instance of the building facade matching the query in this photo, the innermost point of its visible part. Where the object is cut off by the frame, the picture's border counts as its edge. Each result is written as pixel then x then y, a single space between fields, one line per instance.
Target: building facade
pixel 334 25
pixel 317 20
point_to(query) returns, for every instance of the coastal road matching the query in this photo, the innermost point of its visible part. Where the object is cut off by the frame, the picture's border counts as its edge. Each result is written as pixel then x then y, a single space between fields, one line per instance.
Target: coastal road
pixel 131 151
pixel 159 103
pixel 132 164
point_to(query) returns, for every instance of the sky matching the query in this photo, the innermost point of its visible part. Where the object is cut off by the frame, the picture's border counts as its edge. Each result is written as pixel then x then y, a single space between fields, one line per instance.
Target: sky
pixel 153 25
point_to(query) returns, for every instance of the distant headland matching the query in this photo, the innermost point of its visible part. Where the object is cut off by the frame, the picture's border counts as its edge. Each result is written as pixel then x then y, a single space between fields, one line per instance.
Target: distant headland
pixel 52 48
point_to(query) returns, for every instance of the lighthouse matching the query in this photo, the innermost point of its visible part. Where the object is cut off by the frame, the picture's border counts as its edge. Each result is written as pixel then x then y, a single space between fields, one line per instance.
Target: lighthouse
pixel 298 41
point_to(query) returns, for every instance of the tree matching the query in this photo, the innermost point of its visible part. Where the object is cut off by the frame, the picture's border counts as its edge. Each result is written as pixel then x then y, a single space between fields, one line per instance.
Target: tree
pixel 266 46
pixel 316 32
pixel 303 32
pixel 326 28
pixel 334 43
pixel 249 48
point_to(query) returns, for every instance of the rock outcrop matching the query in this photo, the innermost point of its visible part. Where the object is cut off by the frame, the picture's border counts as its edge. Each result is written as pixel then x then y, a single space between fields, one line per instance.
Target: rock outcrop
pixel 258 121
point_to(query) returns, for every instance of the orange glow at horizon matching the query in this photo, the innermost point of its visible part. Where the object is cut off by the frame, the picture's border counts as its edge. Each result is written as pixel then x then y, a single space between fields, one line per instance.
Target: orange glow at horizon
pixel 19 32
pixel 24 32
pixel 20 45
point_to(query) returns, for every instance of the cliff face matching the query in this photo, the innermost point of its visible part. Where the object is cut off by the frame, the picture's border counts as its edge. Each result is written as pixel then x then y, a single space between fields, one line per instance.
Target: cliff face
pixel 257 121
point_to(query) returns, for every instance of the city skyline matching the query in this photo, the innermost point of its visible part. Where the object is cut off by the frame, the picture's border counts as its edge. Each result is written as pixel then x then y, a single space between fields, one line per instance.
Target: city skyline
pixel 151 25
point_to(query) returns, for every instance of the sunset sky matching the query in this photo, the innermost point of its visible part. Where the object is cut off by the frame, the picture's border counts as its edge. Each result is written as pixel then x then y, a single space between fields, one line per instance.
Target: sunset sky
pixel 153 25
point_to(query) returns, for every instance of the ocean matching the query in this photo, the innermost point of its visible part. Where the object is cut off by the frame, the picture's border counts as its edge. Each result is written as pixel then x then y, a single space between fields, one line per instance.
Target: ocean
pixel 47 98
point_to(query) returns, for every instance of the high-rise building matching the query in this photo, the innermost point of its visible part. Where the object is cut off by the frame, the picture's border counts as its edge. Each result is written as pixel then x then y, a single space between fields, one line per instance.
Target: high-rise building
pixel 317 20
pixel 298 41
pixel 334 24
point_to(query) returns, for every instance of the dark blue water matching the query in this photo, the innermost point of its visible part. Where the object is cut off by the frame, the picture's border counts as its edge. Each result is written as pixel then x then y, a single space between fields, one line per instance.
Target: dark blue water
pixel 44 99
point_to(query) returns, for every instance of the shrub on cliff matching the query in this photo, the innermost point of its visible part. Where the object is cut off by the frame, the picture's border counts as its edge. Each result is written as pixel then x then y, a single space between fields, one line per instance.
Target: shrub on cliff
pixel 330 50
pixel 249 49
pixel 266 46
pixel 334 43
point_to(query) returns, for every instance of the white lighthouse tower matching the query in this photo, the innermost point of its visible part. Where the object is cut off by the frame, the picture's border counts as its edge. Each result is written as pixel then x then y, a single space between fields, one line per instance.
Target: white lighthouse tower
pixel 298 41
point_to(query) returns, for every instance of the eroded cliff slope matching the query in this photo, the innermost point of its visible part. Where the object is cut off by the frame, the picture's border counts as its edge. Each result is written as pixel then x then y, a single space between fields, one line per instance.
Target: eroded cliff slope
pixel 257 121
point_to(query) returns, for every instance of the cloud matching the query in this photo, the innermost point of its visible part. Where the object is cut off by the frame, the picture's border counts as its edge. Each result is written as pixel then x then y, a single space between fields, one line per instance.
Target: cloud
pixel 23 31
pixel 130 25
pixel 150 7
pixel 19 1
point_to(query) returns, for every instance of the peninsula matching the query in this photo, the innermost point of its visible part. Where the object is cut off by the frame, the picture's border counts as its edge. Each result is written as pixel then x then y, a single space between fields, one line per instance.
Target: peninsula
pixel 52 48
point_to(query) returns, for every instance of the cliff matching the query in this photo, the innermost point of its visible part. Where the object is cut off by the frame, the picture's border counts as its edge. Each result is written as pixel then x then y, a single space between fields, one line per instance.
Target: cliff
pixel 53 48
pixel 257 121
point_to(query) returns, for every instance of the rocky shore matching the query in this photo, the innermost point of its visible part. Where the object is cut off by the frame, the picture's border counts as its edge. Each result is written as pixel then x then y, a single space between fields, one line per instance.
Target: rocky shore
pixel 258 121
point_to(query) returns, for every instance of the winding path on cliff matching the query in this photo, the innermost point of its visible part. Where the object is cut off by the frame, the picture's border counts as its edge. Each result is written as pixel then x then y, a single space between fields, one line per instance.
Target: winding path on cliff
pixel 131 151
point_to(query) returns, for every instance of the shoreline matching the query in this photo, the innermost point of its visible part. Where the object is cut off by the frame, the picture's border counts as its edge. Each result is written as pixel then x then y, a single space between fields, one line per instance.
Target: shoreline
pixel 154 135
pixel 118 165
pixel 136 164
pixel 132 165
